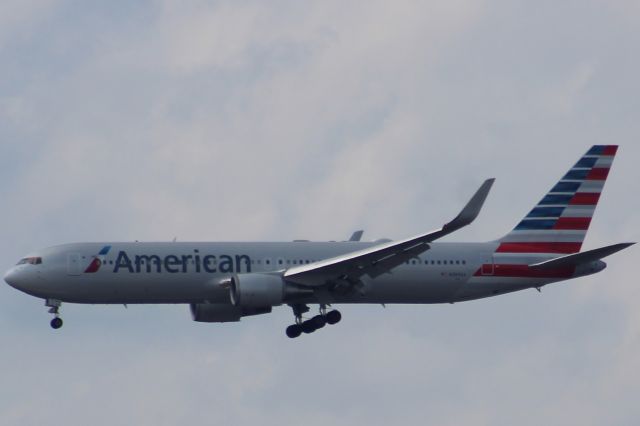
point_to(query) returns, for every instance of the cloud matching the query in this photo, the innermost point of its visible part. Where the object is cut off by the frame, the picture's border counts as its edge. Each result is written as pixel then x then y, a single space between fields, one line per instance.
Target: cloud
pixel 563 99
pixel 19 20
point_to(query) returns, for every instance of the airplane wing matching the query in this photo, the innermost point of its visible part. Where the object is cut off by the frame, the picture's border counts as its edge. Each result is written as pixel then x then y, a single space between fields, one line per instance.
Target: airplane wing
pixel 382 258
pixel 580 258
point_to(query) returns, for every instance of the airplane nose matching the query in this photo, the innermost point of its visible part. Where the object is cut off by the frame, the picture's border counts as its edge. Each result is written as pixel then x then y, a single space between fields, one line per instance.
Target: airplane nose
pixel 15 278
pixel 12 277
pixel 25 279
pixel 19 278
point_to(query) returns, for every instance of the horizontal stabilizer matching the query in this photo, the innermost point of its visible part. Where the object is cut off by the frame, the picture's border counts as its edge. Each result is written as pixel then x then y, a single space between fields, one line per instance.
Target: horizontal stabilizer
pixel 581 258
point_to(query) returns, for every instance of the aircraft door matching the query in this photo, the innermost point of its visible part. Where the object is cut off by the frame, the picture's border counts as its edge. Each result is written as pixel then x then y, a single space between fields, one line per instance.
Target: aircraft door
pixel 73 264
pixel 488 266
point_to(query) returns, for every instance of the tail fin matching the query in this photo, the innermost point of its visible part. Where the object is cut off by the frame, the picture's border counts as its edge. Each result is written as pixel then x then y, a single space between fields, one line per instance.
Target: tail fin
pixel 559 222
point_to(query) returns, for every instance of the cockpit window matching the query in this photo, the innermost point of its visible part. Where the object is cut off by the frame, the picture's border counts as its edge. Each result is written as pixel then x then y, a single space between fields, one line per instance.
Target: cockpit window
pixel 30 260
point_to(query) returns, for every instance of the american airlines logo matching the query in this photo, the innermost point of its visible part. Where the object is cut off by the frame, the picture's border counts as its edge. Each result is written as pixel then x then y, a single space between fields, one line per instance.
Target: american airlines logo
pixel 175 264
pixel 96 263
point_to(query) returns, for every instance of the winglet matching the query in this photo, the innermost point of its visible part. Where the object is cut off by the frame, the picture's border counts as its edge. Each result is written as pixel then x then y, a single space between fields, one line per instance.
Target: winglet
pixel 472 209
pixel 356 235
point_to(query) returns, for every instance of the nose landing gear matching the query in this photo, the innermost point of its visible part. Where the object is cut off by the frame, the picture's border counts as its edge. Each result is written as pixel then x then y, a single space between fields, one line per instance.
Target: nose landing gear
pixel 56 323
pixel 312 324
pixel 54 306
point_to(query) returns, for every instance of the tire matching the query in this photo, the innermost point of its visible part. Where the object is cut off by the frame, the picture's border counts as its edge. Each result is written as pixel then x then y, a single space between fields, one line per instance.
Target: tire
pixel 56 323
pixel 319 321
pixel 293 331
pixel 308 327
pixel 334 317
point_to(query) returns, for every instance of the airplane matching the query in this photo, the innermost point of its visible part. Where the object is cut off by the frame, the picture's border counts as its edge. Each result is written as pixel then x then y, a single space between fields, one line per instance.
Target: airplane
pixel 226 281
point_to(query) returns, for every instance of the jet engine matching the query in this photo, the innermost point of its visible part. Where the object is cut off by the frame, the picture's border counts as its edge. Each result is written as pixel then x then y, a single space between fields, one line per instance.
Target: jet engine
pixel 255 290
pixel 222 312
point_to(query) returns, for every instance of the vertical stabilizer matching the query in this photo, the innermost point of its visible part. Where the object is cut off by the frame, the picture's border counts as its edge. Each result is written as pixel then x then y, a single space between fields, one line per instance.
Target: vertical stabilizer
pixel 559 222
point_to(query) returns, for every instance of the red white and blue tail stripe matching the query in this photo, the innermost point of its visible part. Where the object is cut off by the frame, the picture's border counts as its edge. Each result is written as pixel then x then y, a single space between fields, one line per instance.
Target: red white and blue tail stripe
pixel 559 222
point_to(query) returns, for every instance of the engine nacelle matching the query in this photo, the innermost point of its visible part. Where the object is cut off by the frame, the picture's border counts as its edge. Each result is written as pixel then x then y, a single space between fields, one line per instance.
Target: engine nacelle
pixel 257 290
pixel 222 312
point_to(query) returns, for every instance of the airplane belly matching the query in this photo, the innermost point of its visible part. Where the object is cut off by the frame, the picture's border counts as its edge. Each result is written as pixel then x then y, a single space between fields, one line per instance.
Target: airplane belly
pixel 150 288
pixel 407 287
pixel 481 287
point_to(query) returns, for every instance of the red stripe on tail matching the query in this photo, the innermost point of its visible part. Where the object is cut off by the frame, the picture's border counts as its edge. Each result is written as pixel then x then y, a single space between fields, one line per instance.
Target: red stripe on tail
pixel 573 223
pixel 598 173
pixel 585 199
pixel 523 271
pixel 530 247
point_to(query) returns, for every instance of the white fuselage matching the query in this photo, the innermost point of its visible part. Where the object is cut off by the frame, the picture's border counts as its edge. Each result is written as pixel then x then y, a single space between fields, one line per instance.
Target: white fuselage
pixel 193 272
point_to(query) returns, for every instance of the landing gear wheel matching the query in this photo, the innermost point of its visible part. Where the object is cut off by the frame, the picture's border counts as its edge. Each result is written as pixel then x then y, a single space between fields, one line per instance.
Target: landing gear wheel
pixel 308 327
pixel 54 306
pixel 333 317
pixel 294 331
pixel 319 321
pixel 56 323
pixel 312 324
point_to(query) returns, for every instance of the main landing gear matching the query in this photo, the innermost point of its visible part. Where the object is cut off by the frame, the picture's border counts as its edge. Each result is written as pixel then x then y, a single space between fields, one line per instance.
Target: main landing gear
pixel 54 306
pixel 312 324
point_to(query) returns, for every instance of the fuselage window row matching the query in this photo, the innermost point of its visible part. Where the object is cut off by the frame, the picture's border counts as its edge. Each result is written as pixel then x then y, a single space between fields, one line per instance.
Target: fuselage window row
pixel 302 262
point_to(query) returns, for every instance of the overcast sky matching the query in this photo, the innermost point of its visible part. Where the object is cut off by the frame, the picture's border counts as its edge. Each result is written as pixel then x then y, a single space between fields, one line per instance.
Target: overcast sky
pixel 253 120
